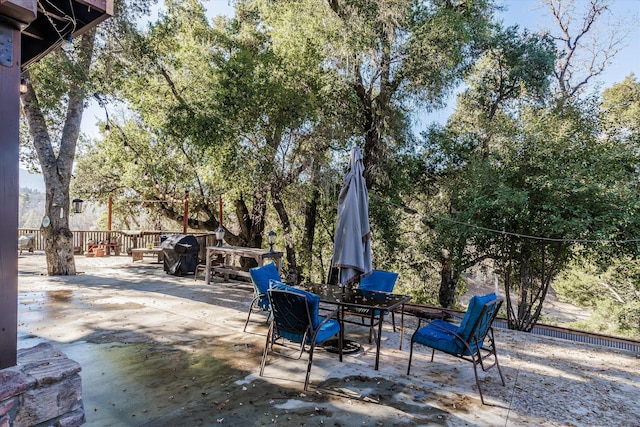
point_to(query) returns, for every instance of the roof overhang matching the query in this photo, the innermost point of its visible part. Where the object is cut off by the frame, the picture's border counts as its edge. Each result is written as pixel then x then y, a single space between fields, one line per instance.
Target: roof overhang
pixel 45 24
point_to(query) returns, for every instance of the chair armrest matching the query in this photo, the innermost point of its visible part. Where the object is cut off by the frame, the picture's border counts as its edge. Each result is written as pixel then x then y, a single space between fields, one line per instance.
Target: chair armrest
pixel 333 314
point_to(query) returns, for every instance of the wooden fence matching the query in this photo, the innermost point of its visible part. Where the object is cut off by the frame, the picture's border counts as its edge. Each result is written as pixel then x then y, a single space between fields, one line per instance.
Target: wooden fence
pixel 127 239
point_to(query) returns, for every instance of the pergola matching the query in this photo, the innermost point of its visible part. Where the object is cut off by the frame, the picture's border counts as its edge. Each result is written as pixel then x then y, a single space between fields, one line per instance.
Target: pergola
pixel 29 29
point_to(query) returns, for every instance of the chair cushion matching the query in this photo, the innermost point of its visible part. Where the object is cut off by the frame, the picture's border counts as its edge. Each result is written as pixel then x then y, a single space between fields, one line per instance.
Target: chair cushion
pixel 378 280
pixel 439 335
pixel 473 313
pixel 260 277
pixel 328 330
pixel 312 299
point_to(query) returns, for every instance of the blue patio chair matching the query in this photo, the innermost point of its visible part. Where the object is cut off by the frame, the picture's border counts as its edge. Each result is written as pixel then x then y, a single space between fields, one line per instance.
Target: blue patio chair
pixel 472 340
pixel 378 281
pixel 260 277
pixel 295 318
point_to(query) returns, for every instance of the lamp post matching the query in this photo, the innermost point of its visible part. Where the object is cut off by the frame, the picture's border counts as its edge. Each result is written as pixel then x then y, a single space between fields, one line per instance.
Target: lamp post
pixel 271 239
pixel 219 235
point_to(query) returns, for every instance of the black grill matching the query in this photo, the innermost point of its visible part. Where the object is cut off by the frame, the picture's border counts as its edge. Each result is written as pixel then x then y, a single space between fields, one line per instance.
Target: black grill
pixel 180 253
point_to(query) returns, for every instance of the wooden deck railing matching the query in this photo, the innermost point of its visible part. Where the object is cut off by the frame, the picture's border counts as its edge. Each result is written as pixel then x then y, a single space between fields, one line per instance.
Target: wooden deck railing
pixel 127 239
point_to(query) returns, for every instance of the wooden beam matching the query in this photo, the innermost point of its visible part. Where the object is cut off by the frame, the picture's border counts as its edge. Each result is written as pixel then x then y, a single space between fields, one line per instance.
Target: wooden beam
pixel 9 176
pixel 105 6
pixel 87 14
pixel 23 11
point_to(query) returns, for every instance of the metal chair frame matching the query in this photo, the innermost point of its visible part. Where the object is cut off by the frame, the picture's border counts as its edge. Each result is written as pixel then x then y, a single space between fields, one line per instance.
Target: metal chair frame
pixel 254 307
pixel 482 330
pixel 370 315
pixel 290 313
pixel 257 296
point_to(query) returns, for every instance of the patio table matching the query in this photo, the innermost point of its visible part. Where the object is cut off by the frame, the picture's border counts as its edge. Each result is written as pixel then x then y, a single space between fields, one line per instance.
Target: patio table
pixel 358 298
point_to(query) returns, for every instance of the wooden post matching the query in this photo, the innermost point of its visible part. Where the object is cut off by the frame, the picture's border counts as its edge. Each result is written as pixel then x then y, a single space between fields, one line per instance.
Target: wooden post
pixel 110 210
pixel 9 192
pixel 185 222
pixel 220 211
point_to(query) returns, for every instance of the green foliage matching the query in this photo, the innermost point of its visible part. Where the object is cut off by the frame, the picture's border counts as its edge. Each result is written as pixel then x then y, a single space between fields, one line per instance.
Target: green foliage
pixel 579 286
pixel 613 292
pixel 262 108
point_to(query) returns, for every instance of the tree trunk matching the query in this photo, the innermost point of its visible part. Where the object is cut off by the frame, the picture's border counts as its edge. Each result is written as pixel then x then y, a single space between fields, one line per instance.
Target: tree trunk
pixel 294 270
pixel 56 169
pixel 310 214
pixel 448 281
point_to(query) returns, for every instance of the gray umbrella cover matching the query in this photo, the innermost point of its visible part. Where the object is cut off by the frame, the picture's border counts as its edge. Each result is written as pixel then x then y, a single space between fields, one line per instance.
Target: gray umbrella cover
pixel 352 247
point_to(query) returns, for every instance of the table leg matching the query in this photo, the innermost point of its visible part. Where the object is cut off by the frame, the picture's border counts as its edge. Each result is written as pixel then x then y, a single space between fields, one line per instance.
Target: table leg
pixel 378 339
pixel 401 326
pixel 207 274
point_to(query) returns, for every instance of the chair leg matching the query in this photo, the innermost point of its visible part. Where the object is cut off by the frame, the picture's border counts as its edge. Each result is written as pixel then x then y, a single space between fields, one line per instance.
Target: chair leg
pixel 266 350
pixel 475 372
pixel 495 354
pixel 410 357
pixel 249 315
pixel 306 380
pixel 498 365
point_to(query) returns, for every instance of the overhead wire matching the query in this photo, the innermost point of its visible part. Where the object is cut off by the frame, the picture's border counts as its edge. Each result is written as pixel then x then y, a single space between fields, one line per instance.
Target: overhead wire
pixel 531 237
pixel 71 20
pixel 518 235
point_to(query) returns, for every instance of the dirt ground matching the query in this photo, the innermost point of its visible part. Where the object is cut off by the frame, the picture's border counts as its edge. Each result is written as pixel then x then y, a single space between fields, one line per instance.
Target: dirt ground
pixel 159 350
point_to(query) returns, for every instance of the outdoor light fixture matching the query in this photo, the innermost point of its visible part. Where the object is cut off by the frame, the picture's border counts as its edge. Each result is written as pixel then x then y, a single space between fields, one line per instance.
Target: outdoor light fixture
pixel 271 239
pixel 67 44
pixel 23 86
pixel 77 205
pixel 219 235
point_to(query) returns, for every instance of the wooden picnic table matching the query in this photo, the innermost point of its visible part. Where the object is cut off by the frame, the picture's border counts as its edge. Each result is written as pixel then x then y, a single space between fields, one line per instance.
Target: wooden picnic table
pixel 226 268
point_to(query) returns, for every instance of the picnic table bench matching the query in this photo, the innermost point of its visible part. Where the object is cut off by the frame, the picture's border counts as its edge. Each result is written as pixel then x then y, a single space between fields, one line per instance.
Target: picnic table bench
pixel 137 254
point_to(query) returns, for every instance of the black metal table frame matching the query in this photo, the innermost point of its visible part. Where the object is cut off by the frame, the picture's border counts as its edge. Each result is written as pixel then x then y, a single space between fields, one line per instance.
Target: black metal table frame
pixel 356 298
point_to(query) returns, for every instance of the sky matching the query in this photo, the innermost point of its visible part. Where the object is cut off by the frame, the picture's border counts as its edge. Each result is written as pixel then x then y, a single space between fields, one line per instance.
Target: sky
pixel 529 14
pixel 525 13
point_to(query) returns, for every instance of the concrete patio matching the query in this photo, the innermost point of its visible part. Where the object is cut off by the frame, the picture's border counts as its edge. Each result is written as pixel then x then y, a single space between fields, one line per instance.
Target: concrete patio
pixel 160 350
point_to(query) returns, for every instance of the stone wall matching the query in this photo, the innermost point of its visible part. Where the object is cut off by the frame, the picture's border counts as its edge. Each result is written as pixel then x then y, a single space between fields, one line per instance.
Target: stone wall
pixel 44 389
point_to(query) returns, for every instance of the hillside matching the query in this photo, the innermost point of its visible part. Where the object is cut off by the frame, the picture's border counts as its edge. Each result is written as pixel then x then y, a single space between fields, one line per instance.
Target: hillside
pixel 31 209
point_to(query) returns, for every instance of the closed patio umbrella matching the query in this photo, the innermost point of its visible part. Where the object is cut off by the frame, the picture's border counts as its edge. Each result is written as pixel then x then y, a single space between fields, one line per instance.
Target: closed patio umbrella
pixel 352 246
